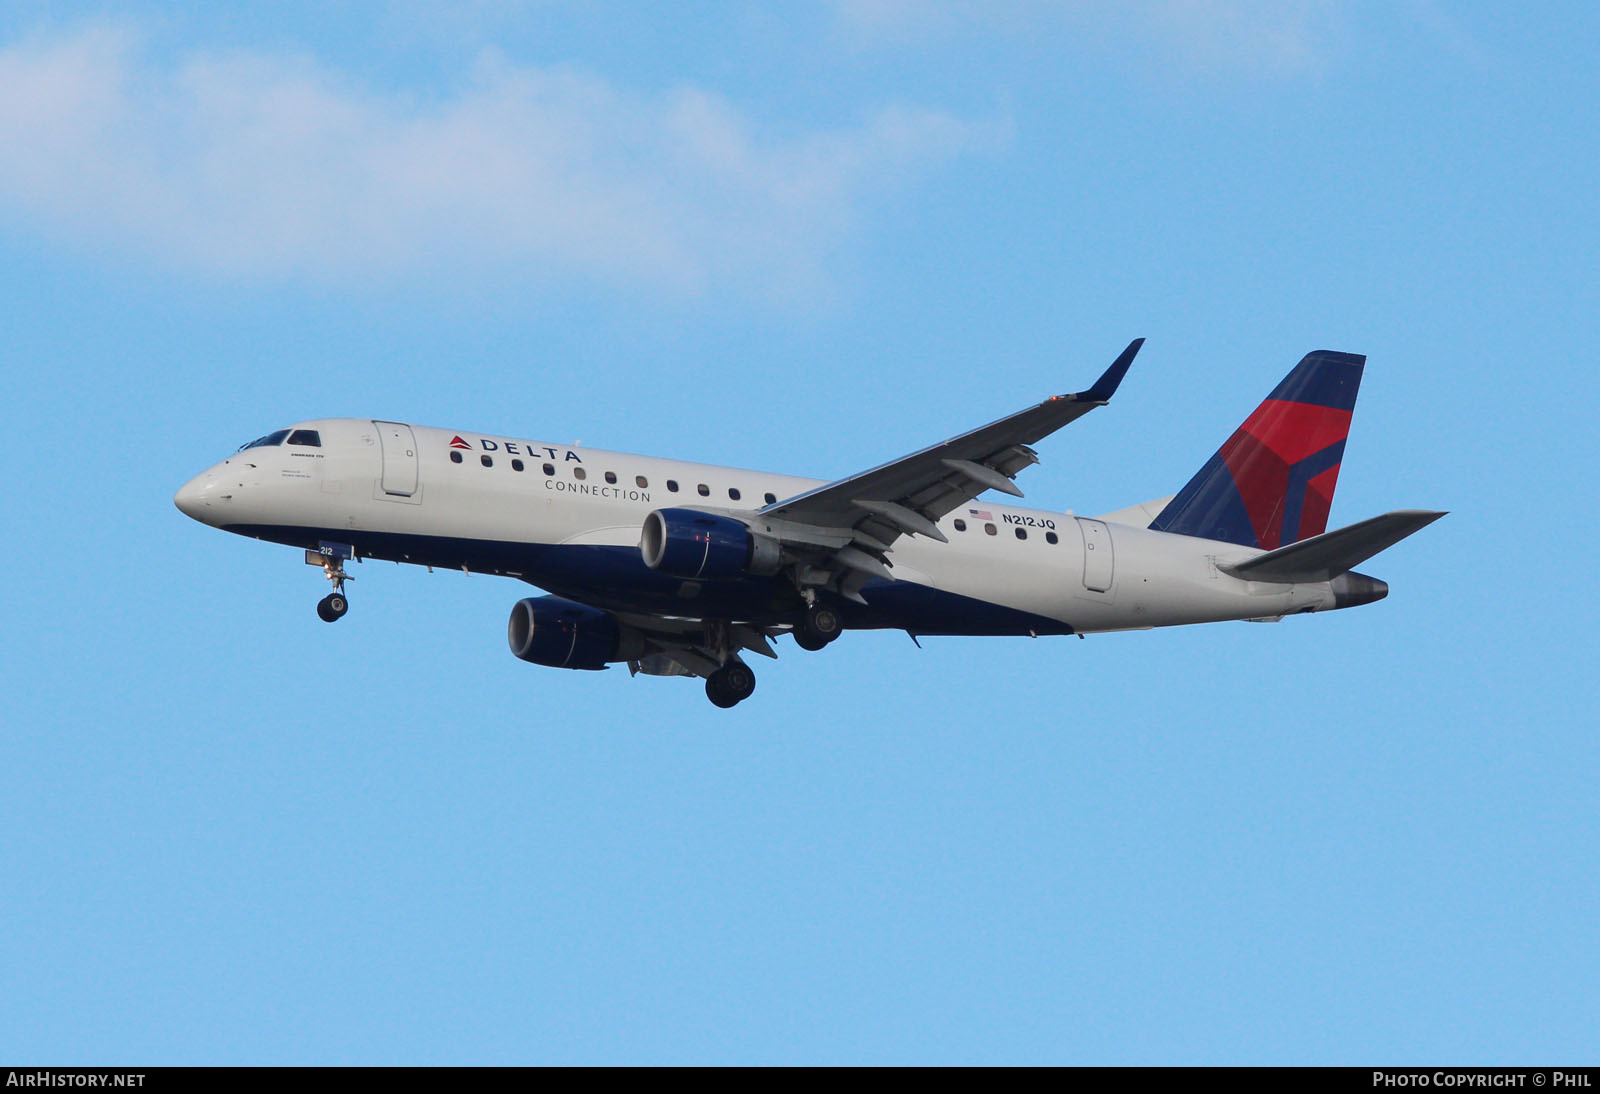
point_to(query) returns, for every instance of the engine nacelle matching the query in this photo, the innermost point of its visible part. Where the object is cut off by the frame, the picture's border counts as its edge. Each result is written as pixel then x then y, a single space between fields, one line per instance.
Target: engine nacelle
pixel 547 630
pixel 689 543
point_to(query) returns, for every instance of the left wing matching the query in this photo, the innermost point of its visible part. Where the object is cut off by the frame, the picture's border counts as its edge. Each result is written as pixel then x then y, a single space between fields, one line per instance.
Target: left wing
pixel 846 529
pixel 675 646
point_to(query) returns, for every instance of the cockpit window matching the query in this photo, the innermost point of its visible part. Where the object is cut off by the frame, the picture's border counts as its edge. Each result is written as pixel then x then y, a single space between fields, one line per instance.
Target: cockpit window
pixel 308 437
pixel 271 440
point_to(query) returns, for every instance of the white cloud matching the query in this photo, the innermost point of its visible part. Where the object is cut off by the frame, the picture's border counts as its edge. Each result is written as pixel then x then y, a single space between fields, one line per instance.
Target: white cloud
pixel 264 165
pixel 1282 35
pixel 1234 36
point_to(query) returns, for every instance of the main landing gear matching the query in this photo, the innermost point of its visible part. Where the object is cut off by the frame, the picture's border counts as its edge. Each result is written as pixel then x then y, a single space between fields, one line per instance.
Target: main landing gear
pixel 819 627
pixel 730 685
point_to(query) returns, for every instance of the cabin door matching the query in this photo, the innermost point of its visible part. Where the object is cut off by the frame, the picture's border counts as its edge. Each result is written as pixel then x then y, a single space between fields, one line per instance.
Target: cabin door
pixel 399 458
pixel 1099 563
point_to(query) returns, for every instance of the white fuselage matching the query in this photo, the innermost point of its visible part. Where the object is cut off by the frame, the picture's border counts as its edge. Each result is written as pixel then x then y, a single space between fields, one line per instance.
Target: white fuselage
pixel 568 519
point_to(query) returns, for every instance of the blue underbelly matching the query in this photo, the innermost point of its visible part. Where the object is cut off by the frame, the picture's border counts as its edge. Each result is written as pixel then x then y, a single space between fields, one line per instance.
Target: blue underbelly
pixel 617 579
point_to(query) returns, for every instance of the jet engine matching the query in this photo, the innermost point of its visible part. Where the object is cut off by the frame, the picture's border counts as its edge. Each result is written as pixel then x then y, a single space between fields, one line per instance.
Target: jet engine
pixel 689 543
pixel 547 630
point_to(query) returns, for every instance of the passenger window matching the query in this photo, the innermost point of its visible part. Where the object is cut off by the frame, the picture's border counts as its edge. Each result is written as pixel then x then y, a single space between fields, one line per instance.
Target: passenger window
pixel 455 457
pixel 705 491
pixel 733 492
pixel 961 525
pixel 549 469
pixel 772 499
pixel 308 437
pixel 642 482
pixel 487 461
pixel 989 529
pixel 579 473
pixel 611 477
pixel 1022 533
pixel 1050 537
pixel 672 485
pixel 516 465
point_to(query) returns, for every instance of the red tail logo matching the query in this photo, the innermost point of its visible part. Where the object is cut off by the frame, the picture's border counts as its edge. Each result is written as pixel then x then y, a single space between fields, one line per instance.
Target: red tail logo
pixel 1271 483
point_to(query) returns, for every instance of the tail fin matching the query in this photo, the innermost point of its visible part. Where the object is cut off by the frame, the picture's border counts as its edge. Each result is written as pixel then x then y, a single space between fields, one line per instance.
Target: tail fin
pixel 1271 483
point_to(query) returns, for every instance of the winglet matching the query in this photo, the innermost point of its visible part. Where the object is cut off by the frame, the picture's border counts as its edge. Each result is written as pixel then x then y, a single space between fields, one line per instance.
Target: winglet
pixel 1106 386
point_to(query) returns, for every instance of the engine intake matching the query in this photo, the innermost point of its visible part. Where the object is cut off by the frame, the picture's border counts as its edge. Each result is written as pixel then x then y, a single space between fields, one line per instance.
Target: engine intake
pixel 689 543
pixel 547 630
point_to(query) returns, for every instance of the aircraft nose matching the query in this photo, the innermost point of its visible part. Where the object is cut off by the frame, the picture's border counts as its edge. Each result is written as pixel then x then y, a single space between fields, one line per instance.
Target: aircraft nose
pixel 191 498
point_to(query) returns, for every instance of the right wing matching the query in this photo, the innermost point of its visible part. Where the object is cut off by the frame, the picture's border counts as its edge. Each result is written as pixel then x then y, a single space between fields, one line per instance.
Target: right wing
pixel 845 530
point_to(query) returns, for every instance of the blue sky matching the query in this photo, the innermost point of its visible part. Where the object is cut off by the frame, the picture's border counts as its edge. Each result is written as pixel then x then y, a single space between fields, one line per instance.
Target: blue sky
pixel 803 238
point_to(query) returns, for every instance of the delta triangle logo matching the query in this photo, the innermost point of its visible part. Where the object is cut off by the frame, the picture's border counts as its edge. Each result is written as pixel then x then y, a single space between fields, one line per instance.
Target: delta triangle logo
pixel 457 442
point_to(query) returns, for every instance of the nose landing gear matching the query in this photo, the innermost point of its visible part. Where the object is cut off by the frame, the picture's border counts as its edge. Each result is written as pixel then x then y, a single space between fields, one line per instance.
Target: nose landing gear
pixel 330 557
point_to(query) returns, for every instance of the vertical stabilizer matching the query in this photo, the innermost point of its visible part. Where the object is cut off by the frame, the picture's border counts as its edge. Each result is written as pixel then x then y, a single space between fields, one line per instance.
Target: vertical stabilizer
pixel 1272 482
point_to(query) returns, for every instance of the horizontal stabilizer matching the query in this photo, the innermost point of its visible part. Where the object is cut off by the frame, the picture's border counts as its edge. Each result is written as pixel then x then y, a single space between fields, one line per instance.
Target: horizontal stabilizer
pixel 1324 557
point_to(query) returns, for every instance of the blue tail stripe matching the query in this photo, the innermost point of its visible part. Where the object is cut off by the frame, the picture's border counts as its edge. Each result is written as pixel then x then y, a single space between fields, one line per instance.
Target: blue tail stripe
pixel 1300 476
pixel 1209 507
pixel 1323 378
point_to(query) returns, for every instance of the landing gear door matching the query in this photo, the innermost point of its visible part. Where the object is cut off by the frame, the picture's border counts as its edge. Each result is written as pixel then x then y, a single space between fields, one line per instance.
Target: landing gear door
pixel 399 459
pixel 1099 564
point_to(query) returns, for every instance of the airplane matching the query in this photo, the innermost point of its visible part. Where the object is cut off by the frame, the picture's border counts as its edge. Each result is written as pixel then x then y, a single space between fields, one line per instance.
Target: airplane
pixel 682 569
